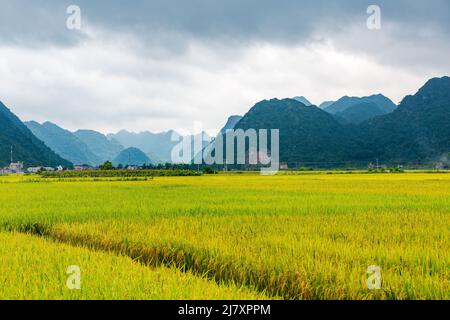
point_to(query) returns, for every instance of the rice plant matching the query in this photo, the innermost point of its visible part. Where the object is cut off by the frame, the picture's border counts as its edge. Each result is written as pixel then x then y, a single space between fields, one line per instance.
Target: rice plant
pixel 310 236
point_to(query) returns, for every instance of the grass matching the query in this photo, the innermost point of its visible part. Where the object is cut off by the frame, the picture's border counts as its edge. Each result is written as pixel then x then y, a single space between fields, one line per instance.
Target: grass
pixel 295 236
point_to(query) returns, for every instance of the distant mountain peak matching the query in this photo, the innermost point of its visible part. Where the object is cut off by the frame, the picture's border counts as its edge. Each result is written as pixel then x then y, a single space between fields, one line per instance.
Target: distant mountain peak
pixel 103 147
pixel 132 156
pixel 360 112
pixel 326 104
pixel 88 131
pixel 63 142
pixel 51 124
pixel 32 122
pixel 384 104
pixel 435 90
pixel 436 87
pixel 303 100
pixel 231 123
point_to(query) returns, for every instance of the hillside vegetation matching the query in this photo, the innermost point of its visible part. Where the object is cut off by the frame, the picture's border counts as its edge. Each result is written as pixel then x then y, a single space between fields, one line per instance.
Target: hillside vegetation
pixel 26 147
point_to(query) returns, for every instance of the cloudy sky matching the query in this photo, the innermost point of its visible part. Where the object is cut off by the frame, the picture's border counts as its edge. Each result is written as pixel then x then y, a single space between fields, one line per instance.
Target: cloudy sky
pixel 164 64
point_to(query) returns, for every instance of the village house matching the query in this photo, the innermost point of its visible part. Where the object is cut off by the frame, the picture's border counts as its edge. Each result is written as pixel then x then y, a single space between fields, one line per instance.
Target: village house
pixel 13 168
pixel 16 167
pixel 81 167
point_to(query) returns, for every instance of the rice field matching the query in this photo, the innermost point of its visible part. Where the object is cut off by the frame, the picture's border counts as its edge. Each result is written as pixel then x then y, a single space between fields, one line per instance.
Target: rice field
pixel 34 268
pixel 306 236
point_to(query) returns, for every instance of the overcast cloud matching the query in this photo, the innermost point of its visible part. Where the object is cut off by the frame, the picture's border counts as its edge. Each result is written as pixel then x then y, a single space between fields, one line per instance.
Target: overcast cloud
pixel 159 65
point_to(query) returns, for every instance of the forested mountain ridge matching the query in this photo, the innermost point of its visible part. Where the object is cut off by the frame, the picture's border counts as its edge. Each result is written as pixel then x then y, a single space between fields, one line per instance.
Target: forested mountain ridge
pixel 26 147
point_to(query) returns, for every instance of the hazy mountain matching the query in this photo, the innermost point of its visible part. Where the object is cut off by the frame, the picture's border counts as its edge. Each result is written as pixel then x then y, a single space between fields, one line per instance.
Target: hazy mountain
pixel 131 156
pixel 26 147
pixel 303 100
pixel 105 149
pixel 384 104
pixel 157 146
pixel 326 104
pixel 231 122
pixel 64 143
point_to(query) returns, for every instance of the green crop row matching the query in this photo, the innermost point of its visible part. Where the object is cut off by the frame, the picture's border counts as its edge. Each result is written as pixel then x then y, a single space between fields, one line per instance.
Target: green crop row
pixel 118 173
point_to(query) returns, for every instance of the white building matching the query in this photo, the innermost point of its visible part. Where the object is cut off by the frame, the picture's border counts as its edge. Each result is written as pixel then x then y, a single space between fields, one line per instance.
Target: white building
pixel 81 167
pixel 34 169
pixel 13 168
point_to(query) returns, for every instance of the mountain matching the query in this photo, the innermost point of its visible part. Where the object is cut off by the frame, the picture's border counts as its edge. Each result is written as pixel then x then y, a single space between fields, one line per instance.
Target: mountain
pixel 64 143
pixel 307 133
pixel 326 104
pixel 417 131
pixel 303 100
pixel 231 123
pixel 359 113
pixel 131 156
pixel 385 105
pixel 157 146
pixel 26 147
pixel 105 149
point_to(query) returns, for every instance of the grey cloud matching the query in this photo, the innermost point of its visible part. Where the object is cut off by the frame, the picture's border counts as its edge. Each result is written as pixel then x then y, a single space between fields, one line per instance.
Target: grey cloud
pixel 165 28
pixel 285 21
pixel 35 24
pixel 156 64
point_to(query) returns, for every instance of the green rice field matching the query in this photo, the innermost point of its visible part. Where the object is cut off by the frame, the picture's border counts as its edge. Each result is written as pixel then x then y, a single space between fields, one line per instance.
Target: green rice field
pixel 239 236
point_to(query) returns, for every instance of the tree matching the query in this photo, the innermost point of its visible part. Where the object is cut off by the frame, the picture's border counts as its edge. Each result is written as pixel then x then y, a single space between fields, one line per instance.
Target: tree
pixel 209 170
pixel 107 166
